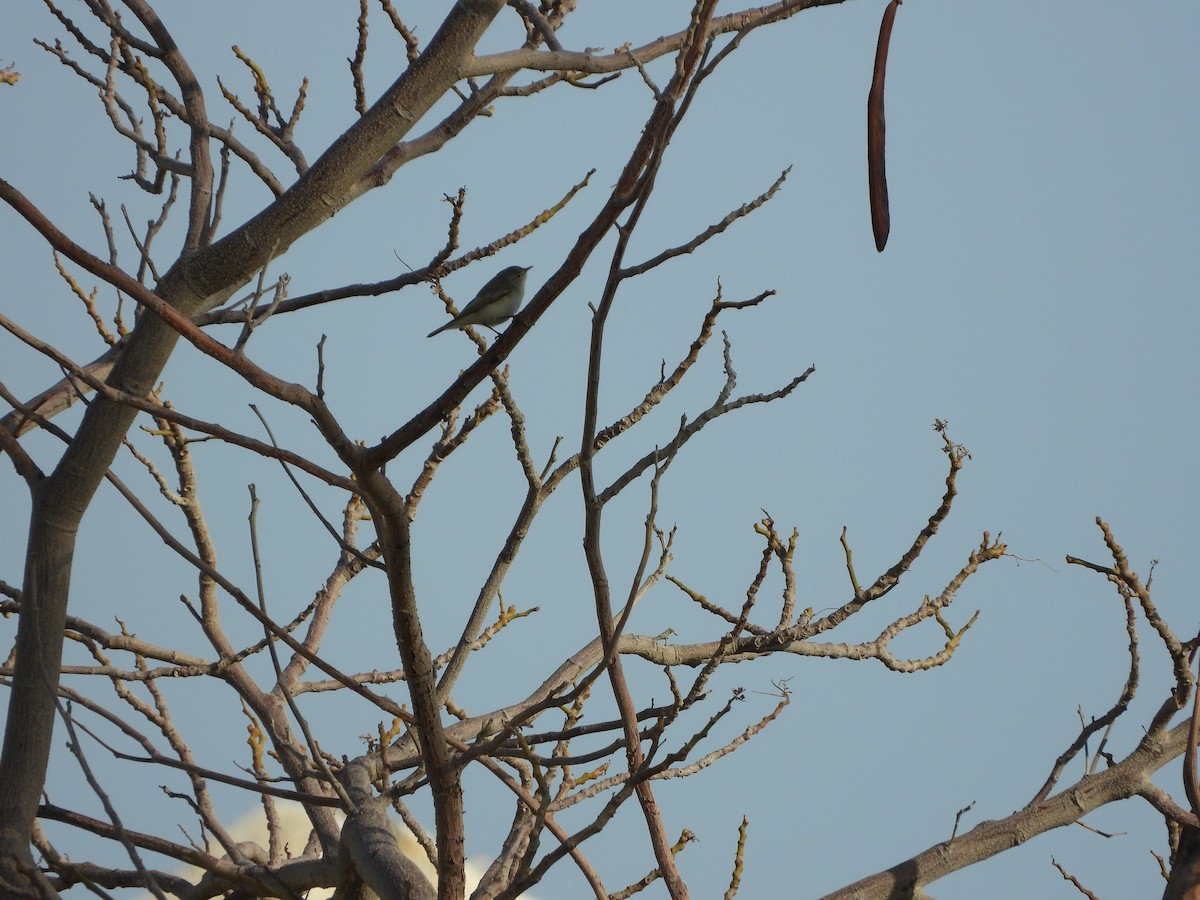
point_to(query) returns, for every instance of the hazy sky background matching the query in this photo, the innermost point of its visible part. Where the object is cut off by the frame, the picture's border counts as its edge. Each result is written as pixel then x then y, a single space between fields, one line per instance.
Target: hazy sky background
pixel 1036 293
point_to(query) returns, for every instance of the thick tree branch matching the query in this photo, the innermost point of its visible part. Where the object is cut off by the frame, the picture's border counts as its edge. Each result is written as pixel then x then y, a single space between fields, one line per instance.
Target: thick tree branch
pixel 1121 781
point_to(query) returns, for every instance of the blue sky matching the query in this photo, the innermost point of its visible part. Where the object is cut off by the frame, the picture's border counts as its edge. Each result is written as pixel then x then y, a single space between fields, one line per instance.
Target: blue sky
pixel 1035 293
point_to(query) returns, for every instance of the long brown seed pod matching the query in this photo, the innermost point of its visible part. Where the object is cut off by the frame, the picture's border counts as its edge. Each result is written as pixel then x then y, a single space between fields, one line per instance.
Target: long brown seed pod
pixel 881 217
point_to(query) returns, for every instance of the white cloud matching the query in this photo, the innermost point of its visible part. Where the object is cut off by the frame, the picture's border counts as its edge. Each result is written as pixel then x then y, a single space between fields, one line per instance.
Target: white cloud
pixel 295 829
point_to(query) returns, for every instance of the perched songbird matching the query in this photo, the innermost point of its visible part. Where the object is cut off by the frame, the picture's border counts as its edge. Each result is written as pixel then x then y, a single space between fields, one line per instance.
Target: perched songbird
pixel 496 302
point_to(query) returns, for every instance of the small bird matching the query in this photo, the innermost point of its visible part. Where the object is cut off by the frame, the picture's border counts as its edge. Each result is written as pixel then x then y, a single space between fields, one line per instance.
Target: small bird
pixel 496 302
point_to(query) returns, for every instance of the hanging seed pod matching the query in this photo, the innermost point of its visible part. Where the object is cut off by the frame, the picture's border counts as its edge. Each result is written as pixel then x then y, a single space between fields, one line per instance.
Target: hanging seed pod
pixel 881 217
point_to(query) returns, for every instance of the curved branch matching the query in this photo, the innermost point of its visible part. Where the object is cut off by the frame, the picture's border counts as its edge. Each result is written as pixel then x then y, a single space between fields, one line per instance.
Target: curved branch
pixel 1126 779
pixel 588 62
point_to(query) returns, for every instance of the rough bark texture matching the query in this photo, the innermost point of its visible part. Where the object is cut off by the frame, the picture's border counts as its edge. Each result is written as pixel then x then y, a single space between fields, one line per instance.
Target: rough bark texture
pixel 990 838
pixel 1185 874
